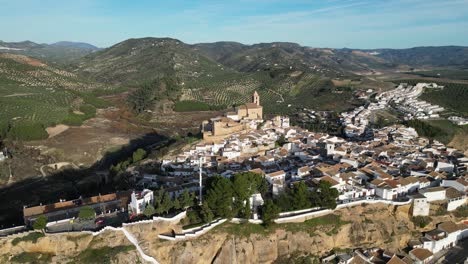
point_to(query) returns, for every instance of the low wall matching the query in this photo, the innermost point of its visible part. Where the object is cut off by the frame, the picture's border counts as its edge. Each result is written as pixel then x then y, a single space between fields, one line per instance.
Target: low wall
pixel 130 238
pixel 175 219
pixel 243 221
pixel 59 222
pixel 297 212
pixel 306 216
pixel 191 233
pixel 12 230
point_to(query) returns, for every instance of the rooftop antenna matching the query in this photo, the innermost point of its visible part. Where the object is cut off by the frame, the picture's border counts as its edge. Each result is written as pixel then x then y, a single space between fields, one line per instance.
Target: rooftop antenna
pixel 200 201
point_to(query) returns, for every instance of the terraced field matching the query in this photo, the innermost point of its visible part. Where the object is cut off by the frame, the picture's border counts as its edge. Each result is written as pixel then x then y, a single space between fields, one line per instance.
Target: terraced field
pixel 32 93
pixel 279 95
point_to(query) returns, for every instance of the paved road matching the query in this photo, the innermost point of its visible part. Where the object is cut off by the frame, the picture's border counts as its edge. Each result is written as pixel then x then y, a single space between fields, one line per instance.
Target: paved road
pixel 458 254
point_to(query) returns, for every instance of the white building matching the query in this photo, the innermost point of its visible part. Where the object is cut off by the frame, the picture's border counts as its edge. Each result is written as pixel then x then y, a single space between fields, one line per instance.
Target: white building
pixel 420 205
pixel 139 201
pixel 446 235
pixel 444 166
pixel 276 176
pixel 434 193
pixel 461 184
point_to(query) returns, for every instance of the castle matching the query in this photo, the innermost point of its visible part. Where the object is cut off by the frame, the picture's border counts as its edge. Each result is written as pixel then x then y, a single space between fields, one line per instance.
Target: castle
pixel 243 118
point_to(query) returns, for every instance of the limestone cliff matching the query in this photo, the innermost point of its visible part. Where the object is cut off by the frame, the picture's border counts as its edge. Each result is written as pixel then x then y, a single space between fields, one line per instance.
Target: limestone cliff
pixel 375 225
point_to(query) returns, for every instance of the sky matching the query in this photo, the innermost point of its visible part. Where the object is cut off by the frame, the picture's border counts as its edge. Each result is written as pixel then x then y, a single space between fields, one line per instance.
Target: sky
pixel 316 23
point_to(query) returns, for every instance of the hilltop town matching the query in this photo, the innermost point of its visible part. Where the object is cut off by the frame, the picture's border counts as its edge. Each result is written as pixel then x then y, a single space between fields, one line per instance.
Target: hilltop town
pixel 287 174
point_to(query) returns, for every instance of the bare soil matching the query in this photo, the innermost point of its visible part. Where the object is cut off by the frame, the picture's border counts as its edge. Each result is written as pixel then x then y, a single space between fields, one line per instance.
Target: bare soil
pixel 87 144
pixel 58 129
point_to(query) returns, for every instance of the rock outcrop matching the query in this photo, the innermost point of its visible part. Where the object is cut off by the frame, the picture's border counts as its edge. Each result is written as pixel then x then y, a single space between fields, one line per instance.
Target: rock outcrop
pixel 376 225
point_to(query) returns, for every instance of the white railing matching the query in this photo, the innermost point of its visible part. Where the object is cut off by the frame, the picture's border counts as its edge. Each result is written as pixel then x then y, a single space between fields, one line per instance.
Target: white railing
pixel 130 238
pixel 191 233
pixel 175 219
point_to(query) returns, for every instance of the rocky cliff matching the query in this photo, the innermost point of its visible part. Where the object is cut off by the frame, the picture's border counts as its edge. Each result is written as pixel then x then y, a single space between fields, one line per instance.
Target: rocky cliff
pixel 377 225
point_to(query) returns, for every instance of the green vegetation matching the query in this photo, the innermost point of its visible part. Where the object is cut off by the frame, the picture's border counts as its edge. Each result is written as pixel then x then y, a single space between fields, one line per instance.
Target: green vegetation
pixel 456 74
pixel 461 211
pixel 441 130
pixel 225 198
pixel 30 257
pixel 421 221
pixel 101 255
pixel 269 212
pixel 330 224
pixel 86 213
pixel 23 130
pixel 138 155
pixel 299 197
pixel 246 229
pixel 77 119
pixel 190 106
pixel 40 223
pixel 297 258
pixel 149 210
pixel 453 97
pixel 31 237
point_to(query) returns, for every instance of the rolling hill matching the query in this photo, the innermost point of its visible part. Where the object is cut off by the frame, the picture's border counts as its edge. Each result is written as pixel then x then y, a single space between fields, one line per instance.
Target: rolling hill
pixel 58 53
pixel 221 74
pixel 34 95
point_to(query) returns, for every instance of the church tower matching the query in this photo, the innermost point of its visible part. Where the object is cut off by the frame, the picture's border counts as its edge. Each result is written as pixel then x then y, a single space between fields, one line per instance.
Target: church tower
pixel 256 98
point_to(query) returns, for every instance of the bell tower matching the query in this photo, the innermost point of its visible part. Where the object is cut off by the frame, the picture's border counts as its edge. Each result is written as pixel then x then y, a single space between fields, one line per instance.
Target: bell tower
pixel 256 98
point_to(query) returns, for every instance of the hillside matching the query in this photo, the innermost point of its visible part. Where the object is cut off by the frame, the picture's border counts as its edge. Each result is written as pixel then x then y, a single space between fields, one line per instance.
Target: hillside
pixel 58 53
pixel 425 56
pixel 222 74
pixel 34 95
pixel 137 61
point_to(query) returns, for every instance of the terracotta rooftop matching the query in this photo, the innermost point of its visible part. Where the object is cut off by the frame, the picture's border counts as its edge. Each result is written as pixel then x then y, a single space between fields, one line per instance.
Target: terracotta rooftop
pixel 421 253
pixel 450 227
pixel 276 173
pixel 395 260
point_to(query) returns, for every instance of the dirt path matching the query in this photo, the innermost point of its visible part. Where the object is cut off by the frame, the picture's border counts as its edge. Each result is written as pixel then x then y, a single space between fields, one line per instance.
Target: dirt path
pixel 58 129
pixel 18 94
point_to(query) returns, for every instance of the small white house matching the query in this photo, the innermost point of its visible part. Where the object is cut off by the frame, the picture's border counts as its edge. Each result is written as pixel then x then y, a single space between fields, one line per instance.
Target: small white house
pixel 303 171
pixel 446 235
pixel 2 156
pixel 276 176
pixel 139 201
pixel 434 193
pixel 444 166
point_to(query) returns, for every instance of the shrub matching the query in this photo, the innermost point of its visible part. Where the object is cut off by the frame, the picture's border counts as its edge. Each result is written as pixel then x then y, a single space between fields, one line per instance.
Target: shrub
pixel 421 221
pixel 188 106
pixel 31 257
pixel 101 255
pixel 461 211
pixel 24 130
pixel 86 212
pixel 40 223
pixel 31 237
